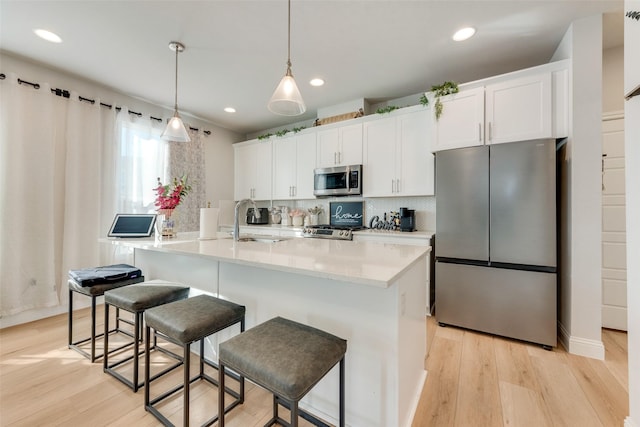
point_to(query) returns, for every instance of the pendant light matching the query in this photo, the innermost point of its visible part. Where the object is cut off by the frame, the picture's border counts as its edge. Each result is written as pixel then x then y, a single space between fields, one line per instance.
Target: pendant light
pixel 286 99
pixel 175 130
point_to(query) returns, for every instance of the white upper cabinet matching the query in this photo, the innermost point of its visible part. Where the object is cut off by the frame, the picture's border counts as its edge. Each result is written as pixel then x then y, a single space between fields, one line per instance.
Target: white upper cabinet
pixel 294 159
pixel 252 170
pixel 519 109
pixel 531 105
pixel 461 123
pixel 340 145
pixel 397 159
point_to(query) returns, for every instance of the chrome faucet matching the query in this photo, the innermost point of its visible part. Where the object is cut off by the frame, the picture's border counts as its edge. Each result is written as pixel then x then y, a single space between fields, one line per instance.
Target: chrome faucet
pixel 236 226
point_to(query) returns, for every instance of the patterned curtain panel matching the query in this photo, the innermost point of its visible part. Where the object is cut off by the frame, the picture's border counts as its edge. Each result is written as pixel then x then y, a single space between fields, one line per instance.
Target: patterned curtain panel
pixel 187 158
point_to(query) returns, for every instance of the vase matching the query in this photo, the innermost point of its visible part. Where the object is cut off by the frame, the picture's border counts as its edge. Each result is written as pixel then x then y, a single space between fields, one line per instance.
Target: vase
pixel 297 221
pixel 165 223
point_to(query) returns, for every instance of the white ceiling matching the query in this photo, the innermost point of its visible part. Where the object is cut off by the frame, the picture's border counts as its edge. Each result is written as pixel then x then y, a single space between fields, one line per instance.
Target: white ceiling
pixel 236 49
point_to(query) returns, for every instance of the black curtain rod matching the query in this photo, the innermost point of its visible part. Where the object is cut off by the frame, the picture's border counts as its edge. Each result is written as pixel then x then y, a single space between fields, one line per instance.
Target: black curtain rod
pixel 66 94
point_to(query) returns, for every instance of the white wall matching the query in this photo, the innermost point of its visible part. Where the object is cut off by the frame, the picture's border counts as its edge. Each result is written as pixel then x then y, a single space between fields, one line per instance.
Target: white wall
pixel 580 279
pixel 613 79
pixel 632 167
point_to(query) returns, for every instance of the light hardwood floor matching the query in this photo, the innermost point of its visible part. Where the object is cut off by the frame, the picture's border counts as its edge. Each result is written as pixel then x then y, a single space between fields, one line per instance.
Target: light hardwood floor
pixel 474 380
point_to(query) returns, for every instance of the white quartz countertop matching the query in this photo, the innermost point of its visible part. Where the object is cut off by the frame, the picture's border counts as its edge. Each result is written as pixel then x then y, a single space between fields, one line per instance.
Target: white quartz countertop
pixel 369 263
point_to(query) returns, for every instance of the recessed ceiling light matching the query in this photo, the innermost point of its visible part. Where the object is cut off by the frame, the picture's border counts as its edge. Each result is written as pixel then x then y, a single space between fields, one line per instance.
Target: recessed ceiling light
pixel 230 110
pixel 316 82
pixel 48 35
pixel 464 34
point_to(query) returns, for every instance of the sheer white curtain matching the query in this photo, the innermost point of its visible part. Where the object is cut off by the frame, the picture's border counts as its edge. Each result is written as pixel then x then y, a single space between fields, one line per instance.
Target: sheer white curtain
pixel 49 187
pixel 140 157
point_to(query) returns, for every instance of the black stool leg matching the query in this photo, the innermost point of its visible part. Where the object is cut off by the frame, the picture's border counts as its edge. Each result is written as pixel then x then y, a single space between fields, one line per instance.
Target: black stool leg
pixel 220 394
pixel 93 329
pixel 136 345
pixel 342 392
pixel 147 362
pixel 105 354
pixel 70 321
pixel 187 381
pixel 294 414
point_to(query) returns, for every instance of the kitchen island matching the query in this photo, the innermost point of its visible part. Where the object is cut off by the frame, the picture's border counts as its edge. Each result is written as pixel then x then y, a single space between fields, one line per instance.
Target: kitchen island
pixel 371 294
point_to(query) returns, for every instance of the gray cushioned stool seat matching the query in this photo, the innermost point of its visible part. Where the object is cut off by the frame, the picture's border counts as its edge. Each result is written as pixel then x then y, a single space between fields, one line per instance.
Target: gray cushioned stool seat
pixel 93 292
pixel 195 318
pixel 136 299
pixel 184 322
pixel 145 295
pixel 285 357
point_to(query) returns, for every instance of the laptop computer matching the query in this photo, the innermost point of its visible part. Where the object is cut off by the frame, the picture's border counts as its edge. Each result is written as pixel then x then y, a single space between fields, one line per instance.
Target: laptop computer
pixel 132 225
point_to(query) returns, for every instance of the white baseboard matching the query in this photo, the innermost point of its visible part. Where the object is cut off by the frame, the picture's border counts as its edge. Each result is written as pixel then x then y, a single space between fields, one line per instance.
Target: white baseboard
pixel 581 346
pixel 628 422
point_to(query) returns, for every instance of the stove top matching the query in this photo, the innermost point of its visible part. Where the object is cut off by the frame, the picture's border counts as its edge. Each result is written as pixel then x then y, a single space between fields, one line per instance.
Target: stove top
pixel 327 231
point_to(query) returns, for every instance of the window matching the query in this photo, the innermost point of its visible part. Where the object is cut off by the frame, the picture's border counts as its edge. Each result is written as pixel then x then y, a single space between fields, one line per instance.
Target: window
pixel 142 158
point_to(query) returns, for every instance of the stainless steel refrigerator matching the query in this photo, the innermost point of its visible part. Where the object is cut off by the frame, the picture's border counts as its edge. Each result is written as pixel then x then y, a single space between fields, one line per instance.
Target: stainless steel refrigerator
pixel 496 239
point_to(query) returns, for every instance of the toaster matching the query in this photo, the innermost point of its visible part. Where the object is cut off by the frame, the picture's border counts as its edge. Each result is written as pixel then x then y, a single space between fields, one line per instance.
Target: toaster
pixel 264 217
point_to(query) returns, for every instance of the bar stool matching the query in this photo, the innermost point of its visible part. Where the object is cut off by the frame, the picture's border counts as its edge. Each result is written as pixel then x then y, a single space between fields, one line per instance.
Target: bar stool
pixel 182 323
pixel 94 291
pixel 286 358
pixel 136 299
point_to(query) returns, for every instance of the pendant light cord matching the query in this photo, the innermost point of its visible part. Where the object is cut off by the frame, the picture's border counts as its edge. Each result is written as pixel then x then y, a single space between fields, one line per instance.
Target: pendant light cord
pixel 289 38
pixel 176 91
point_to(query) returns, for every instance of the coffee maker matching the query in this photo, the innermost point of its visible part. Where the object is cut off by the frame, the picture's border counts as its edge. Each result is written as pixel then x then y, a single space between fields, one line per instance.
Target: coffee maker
pixel 407 219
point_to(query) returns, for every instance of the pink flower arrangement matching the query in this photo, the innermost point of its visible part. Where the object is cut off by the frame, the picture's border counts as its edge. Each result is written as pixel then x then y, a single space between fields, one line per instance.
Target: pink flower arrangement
pixel 168 197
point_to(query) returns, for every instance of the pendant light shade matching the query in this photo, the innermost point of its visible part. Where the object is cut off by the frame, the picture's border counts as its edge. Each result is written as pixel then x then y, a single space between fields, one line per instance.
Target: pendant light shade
pixel 286 100
pixel 175 130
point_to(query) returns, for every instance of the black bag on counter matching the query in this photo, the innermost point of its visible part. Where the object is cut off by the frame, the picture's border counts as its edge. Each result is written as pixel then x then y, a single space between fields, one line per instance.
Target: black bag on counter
pixel 104 275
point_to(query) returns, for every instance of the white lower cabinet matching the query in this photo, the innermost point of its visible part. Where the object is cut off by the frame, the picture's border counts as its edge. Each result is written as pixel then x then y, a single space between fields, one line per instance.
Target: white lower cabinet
pixel 294 159
pixel 397 159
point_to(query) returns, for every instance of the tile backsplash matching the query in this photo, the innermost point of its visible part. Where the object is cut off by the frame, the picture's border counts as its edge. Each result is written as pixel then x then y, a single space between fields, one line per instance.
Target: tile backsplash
pixel 425 208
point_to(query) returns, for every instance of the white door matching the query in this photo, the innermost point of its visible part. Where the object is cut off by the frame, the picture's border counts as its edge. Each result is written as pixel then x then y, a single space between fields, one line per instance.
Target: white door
pixel 614 267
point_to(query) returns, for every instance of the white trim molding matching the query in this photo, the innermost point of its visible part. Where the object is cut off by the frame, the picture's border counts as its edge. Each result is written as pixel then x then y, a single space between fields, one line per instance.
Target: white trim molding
pixel 628 422
pixel 581 346
pixel 612 115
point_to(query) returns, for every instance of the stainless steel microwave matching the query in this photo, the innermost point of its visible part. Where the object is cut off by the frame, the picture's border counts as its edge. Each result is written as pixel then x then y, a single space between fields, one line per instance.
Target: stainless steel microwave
pixel 338 181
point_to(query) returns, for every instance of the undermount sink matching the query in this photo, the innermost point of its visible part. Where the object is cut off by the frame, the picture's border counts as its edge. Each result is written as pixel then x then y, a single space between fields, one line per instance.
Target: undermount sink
pixel 265 239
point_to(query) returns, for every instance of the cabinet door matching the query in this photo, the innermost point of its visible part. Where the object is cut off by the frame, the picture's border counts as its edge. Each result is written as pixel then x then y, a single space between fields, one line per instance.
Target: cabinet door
pixel 461 123
pixel 350 145
pixel 415 161
pixel 328 141
pixel 306 162
pixel 284 168
pixel 379 158
pixel 243 172
pixel 262 167
pixel 519 109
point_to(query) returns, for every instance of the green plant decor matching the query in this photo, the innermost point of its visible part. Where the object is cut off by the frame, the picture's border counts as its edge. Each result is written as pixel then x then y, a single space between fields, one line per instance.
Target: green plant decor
pixel 633 14
pixel 424 100
pixel 446 88
pixel 386 109
pixel 296 130
pixel 282 132
pixel 265 136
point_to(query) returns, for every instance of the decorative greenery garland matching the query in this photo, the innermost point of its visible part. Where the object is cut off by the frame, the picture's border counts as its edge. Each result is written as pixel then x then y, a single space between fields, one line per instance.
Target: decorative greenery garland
pixel 281 132
pixel 445 88
pixel 386 109
pixel 633 14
